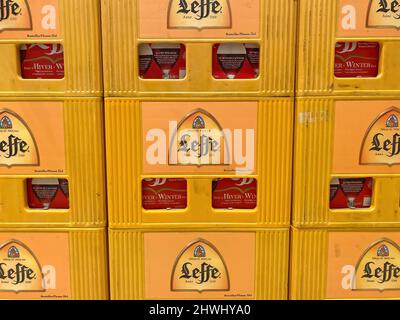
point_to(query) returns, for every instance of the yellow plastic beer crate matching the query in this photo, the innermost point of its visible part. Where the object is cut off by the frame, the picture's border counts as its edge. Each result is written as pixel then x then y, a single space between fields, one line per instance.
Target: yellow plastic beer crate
pixel 200 265
pixel 345 264
pixel 52 167
pixel 53 264
pixel 199 141
pixel 348 47
pixel 130 26
pixel 50 48
pixel 347 156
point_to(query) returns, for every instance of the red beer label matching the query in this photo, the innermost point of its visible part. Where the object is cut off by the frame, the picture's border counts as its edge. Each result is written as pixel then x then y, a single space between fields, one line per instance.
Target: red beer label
pixel 234 194
pixel 48 194
pixel 64 186
pixel 253 54
pixel 164 194
pixel 42 61
pixel 162 61
pixel 357 59
pixel 236 61
pixel 351 193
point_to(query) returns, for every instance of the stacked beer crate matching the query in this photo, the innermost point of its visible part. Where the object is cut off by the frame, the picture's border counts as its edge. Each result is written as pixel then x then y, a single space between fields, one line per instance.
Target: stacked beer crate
pixel 346 216
pixel 52 171
pixel 199 129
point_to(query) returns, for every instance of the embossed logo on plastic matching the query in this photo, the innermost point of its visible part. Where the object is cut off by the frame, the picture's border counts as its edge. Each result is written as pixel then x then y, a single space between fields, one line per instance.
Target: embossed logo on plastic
pixel 20 271
pixel 17 143
pixel 199 14
pixel 381 144
pixel 379 267
pixel 384 14
pixel 199 140
pixel 15 15
pixel 200 267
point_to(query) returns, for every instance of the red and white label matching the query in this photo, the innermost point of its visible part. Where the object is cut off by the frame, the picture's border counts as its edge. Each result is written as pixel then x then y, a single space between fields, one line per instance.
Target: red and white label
pixel 357 59
pixel 351 193
pixel 42 61
pixel 164 194
pixel 236 61
pixel 162 61
pixel 46 194
pixel 234 194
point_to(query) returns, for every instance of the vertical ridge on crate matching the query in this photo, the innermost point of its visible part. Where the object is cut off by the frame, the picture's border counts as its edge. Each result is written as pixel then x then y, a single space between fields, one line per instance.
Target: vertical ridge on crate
pixel 316 46
pixel 313 147
pixel 86 165
pixel 119 81
pixel 273 114
pixel 88 264
pixel 123 175
pixel 272 265
pixel 126 249
pixel 280 79
pixel 83 78
pixel 308 264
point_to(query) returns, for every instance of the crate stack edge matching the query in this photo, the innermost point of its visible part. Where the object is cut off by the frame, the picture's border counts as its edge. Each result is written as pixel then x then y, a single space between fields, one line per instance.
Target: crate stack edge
pixel 346 201
pixel 52 168
pixel 138 115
